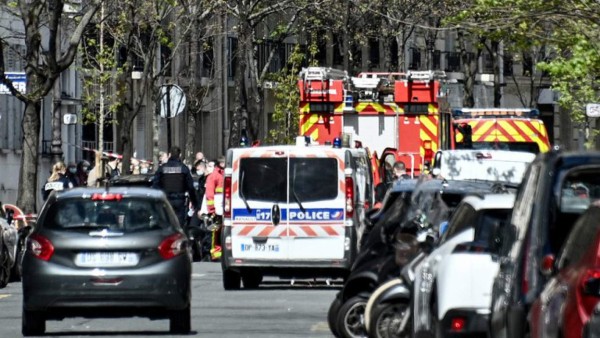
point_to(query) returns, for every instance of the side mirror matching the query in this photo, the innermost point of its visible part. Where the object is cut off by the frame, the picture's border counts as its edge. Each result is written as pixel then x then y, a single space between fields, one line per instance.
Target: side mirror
pixel 547 265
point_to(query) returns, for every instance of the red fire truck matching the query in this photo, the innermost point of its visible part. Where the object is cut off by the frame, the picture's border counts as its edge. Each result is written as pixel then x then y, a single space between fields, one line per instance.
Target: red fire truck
pixel 395 115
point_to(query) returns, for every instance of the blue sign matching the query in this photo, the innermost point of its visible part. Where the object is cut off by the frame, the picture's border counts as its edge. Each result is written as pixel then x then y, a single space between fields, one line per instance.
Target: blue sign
pixel 19 81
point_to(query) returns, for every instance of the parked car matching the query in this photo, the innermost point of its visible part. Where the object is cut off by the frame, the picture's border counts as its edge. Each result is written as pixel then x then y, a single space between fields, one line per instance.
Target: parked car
pixel 556 189
pixel 430 201
pixel 592 327
pixel 106 253
pixel 567 302
pixel 454 282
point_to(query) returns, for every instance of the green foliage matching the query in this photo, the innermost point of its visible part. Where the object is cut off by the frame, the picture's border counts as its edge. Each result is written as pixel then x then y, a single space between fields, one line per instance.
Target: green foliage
pixel 287 96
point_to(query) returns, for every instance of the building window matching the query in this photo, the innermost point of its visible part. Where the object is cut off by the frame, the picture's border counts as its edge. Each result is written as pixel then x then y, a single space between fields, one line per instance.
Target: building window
pixel 437 59
pixel 453 62
pixel 488 64
pixel 231 57
pixel 415 59
pixel 508 65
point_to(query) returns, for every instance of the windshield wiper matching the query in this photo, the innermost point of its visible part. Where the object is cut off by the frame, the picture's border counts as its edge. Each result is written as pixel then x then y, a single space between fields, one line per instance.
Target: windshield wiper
pixel 242 194
pixel 296 198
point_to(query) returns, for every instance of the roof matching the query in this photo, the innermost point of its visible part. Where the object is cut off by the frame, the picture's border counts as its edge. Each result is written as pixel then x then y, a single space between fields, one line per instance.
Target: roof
pixel 491 201
pixel 126 191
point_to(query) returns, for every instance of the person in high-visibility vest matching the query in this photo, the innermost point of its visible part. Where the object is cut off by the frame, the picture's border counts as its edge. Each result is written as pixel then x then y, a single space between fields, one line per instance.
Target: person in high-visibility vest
pixel 214 203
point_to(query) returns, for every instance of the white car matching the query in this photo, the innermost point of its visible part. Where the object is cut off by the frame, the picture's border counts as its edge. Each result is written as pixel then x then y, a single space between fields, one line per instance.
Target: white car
pixel 453 285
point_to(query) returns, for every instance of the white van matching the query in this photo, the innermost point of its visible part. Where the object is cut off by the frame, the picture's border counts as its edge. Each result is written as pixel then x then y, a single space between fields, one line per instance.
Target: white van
pixel 293 212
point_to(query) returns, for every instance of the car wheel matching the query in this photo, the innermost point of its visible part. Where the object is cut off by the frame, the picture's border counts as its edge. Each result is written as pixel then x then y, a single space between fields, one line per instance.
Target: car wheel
pixel 33 323
pixel 351 318
pixel 387 321
pixel 251 279
pixel 180 321
pixel 334 309
pixel 4 268
pixel 231 280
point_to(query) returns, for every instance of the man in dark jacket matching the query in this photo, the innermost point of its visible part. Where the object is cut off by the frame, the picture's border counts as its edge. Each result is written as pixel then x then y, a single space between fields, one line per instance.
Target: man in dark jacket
pixel 175 179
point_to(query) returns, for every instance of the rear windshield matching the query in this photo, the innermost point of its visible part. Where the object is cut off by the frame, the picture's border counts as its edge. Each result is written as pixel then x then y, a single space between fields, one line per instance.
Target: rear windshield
pixel 311 179
pixel 530 147
pixel 127 215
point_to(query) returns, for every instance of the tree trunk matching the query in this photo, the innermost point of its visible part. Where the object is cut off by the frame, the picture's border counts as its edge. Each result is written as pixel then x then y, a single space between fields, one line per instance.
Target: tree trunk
pixel 28 191
pixel 126 148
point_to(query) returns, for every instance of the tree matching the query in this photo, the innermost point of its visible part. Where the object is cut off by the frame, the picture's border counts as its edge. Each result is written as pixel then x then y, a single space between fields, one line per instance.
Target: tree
pixel 47 56
pixel 146 37
pixel 249 79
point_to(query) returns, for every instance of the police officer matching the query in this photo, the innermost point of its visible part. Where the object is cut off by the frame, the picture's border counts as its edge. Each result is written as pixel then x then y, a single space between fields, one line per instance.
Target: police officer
pixel 175 179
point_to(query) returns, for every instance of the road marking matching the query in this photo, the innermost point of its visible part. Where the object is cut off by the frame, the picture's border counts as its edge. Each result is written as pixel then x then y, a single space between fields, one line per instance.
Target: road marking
pixel 198 275
pixel 320 327
pixel 4 296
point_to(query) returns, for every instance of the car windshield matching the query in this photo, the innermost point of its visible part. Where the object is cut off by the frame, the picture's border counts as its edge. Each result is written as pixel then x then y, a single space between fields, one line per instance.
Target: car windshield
pixel 578 190
pixel 127 215
pixel 311 179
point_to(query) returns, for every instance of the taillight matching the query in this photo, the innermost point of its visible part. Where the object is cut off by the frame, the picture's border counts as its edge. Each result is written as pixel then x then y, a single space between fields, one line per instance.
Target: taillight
pixel 172 246
pixel 457 324
pixel 428 155
pixel 349 197
pixel 40 247
pixel 106 197
pixel 227 197
pixel 590 290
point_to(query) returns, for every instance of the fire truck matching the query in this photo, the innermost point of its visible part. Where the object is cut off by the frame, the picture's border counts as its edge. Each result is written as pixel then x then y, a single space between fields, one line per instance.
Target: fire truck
pixel 517 129
pixel 395 115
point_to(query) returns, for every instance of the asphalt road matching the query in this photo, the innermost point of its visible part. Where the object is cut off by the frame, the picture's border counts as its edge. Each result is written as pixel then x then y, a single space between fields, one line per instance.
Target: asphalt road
pixel 277 309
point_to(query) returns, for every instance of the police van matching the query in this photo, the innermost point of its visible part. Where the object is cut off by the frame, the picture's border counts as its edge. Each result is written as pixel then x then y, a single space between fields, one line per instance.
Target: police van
pixel 293 211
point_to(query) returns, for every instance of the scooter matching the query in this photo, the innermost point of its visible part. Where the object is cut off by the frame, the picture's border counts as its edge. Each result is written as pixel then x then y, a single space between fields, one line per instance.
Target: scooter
pixel 388 310
pixel 374 265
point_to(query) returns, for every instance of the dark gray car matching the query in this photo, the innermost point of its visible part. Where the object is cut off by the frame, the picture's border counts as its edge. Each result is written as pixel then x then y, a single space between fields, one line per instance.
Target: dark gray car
pixel 106 253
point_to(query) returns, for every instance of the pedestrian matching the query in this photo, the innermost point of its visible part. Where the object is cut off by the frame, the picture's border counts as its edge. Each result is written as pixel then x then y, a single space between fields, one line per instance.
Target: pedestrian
pixel 199 157
pixel 71 174
pixel 200 168
pixel 214 203
pixel 83 170
pixel 163 157
pixel 400 171
pixel 144 167
pixel 114 167
pixel 175 179
pixel 57 180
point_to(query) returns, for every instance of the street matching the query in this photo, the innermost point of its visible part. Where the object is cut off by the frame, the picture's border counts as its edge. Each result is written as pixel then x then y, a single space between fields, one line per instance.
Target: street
pixel 276 309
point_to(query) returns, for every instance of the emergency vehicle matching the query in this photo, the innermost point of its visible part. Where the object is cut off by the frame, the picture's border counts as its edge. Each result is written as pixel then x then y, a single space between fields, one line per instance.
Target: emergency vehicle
pixel 293 211
pixel 500 128
pixel 395 115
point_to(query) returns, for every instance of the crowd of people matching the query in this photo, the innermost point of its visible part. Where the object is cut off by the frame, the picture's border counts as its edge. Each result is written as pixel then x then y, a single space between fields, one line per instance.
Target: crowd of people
pixel 190 200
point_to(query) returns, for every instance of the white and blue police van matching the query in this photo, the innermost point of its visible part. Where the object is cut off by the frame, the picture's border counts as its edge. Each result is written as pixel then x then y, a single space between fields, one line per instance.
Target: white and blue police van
pixel 293 211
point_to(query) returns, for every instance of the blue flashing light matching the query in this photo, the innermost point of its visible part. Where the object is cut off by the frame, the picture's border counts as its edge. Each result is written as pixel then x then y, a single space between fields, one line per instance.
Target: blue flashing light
pixel 337 142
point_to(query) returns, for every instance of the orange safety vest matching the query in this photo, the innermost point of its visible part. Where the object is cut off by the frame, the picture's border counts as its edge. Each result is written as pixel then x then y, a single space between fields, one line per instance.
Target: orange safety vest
pixel 214 185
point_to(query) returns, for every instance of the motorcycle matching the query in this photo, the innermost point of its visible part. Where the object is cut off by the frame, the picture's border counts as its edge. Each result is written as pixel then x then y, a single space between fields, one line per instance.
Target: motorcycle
pixel 373 266
pixel 203 233
pixel 388 310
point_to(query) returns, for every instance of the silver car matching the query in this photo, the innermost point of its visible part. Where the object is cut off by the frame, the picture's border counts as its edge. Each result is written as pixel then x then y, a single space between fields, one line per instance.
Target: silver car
pixel 100 253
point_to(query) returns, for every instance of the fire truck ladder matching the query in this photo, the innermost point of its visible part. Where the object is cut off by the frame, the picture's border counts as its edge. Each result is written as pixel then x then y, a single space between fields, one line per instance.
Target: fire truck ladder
pixel 425 76
pixel 321 74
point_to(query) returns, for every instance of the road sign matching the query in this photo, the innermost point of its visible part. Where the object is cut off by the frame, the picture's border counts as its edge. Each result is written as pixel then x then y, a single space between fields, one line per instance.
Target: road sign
pixel 592 110
pixel 19 81
pixel 172 101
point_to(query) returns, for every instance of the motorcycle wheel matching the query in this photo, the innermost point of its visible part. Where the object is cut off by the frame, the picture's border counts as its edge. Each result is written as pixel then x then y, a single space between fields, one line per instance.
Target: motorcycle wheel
pixel 332 313
pixel 4 268
pixel 351 318
pixel 387 319
pixel 17 270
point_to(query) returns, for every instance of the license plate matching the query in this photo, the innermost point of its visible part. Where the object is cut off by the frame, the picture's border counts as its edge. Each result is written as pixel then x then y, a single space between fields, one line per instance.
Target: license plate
pixel 259 247
pixel 106 259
